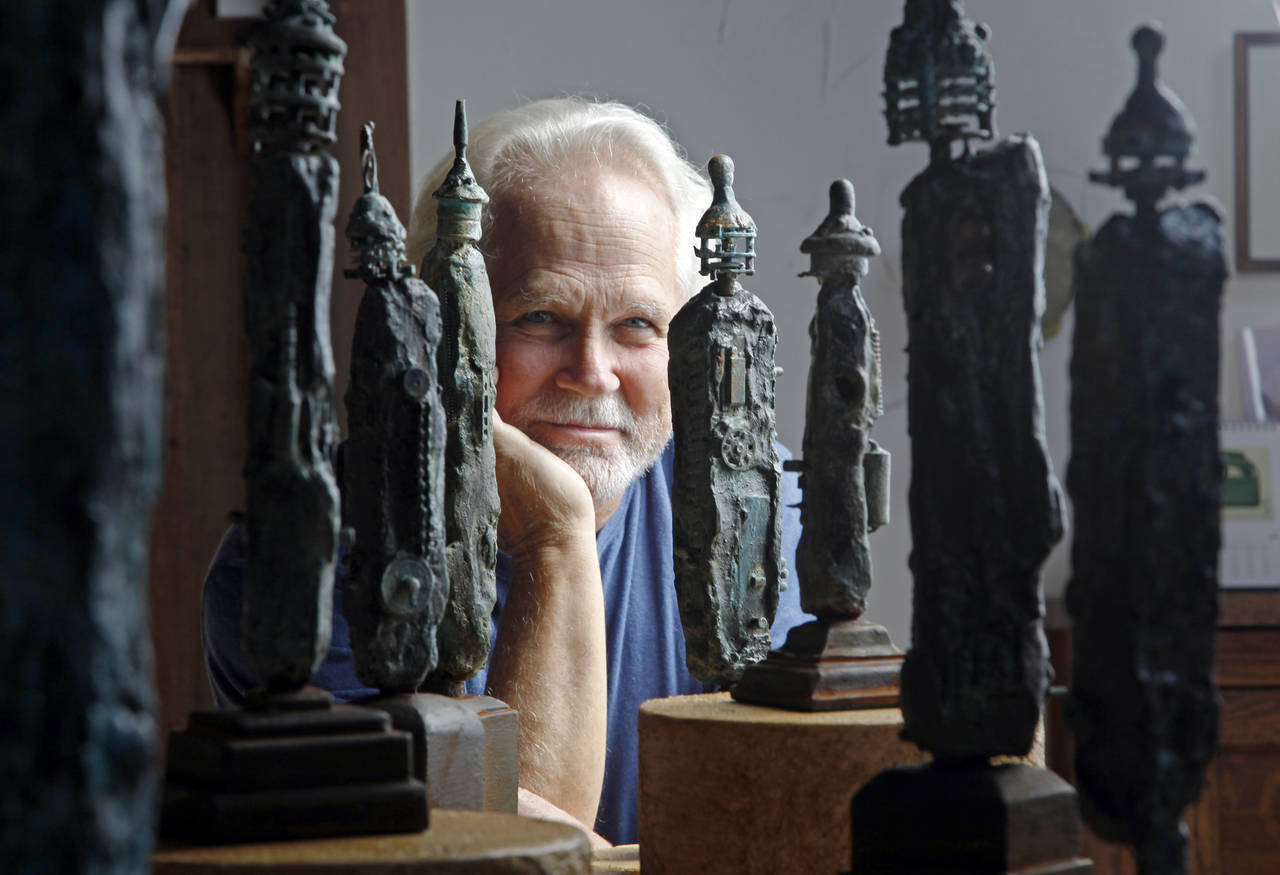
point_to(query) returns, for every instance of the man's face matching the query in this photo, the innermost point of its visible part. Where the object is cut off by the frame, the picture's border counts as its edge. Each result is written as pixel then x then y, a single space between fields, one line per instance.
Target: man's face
pixel 584 285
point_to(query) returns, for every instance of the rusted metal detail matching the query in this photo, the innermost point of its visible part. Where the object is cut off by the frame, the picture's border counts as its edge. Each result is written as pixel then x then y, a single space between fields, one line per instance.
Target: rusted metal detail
pixel 727 492
pixel 291 517
pixel 455 269
pixel 1145 481
pixel 393 462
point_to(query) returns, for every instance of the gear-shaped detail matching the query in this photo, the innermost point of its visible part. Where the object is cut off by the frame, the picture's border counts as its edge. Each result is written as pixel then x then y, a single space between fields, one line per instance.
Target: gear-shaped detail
pixel 736 448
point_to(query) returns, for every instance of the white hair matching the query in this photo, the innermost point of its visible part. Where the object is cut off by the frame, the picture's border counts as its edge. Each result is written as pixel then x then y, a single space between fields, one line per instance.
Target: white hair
pixel 565 137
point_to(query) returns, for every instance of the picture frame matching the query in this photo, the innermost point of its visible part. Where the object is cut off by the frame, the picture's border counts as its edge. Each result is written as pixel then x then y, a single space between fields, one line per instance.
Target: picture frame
pixel 1257 109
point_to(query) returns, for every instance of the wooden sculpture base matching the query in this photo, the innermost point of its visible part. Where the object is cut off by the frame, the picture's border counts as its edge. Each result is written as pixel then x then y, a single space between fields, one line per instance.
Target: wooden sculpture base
pixel 967 817
pixel 826 666
pixel 734 788
pixel 464 748
pixel 458 843
pixel 290 765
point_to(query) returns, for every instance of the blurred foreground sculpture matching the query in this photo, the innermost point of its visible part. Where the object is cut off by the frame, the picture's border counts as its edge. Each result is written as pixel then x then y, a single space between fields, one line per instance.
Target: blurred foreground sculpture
pixel 454 269
pixel 984 501
pixel 393 463
pixel 290 764
pixel 838 660
pixel 81 414
pixel 1145 480
pixel 727 481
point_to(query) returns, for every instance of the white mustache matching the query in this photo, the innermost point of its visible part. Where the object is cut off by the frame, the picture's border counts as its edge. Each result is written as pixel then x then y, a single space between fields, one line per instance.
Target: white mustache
pixel 608 411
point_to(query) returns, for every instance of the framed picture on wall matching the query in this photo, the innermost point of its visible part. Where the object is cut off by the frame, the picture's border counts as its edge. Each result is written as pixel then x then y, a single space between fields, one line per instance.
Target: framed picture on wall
pixel 1257 65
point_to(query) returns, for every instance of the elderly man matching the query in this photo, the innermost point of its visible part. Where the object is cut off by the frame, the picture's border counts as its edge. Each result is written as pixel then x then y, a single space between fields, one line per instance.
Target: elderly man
pixel 588 246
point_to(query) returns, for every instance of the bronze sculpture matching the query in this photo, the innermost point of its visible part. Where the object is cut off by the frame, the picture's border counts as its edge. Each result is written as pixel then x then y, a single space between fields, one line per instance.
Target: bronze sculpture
pixel 455 269
pixel 291 513
pixel 290 763
pixel 727 481
pixel 1146 483
pixel 984 502
pixel 838 660
pixel 393 460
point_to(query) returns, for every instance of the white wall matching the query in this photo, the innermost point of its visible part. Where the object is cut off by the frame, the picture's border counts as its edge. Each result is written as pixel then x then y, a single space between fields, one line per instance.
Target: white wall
pixel 792 92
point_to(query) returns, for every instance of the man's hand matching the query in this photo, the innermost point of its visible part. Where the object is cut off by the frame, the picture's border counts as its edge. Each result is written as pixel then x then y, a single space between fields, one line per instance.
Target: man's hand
pixel 549 658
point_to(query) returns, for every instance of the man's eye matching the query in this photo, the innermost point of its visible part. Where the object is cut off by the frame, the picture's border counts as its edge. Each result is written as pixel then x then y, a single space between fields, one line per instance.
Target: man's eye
pixel 537 317
pixel 636 322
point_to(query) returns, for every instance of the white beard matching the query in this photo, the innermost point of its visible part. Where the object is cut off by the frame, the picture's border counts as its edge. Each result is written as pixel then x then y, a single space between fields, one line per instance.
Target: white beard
pixel 606 471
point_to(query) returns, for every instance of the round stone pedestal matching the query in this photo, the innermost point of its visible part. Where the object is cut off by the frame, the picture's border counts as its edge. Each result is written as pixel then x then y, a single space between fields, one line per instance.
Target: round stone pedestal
pixel 729 787
pixel 458 843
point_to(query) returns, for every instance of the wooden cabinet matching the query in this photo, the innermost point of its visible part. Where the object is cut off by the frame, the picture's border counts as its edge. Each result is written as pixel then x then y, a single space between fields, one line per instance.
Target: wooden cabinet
pixel 1235 827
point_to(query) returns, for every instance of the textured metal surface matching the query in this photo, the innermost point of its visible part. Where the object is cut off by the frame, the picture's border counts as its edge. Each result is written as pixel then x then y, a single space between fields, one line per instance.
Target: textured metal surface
pixel 81 412
pixel 1145 481
pixel 291 517
pixel 938 77
pixel 727 481
pixel 833 559
pixel 985 505
pixel 455 269
pixel 393 462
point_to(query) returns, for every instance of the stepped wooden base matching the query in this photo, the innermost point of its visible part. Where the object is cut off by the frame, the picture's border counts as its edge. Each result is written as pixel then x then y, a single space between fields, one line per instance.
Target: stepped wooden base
pixel 458 843
pixel 967 818
pixel 464 748
pixel 826 666
pixel 732 788
pixel 288 766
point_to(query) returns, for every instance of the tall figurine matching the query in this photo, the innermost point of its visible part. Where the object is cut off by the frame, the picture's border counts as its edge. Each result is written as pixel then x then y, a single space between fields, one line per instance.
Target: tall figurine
pixel 837 661
pixel 1145 480
pixel 455 269
pixel 291 516
pixel 290 763
pixel 393 464
pixel 727 496
pixel 984 502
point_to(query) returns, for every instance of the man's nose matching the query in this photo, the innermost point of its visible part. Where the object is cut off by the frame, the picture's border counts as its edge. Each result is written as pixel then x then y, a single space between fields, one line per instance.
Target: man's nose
pixel 590 368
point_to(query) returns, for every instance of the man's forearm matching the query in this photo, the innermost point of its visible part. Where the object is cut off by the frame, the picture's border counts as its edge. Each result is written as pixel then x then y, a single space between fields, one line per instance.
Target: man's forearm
pixel 549 664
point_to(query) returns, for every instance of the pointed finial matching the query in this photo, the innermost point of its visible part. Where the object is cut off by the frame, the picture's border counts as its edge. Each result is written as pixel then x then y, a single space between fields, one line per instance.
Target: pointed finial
pixel 460 184
pixel 1148 43
pixel 842 244
pixel 460 128
pixel 368 160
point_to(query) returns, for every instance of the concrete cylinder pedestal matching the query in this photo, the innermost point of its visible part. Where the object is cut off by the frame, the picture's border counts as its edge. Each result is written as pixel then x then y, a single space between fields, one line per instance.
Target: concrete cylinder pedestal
pixel 735 788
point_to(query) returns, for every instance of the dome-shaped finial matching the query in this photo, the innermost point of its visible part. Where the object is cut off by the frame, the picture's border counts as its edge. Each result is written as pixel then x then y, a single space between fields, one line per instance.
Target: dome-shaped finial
pixel 727 224
pixel 1151 137
pixel 842 244
pixel 374 232
pixel 843 200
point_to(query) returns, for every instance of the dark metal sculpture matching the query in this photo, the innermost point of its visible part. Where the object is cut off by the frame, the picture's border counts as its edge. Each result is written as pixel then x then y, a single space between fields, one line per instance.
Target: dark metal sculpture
pixel 728 484
pixel 985 505
pixel 393 460
pixel 837 661
pixel 1145 480
pixel 291 517
pixel 455 269
pixel 291 764
pixel 81 413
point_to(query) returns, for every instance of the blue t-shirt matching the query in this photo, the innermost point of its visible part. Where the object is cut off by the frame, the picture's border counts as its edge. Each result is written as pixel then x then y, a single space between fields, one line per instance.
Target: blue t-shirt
pixel 644 638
